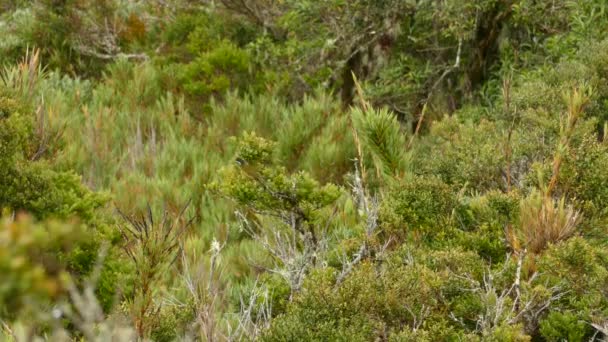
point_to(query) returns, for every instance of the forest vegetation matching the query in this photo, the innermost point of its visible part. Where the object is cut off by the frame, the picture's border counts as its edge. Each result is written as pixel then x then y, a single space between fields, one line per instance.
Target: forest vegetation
pixel 303 170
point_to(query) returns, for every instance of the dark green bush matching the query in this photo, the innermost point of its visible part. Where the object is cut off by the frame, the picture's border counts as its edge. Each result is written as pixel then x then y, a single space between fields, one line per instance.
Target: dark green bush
pixel 464 155
pixel 580 267
pixel 483 220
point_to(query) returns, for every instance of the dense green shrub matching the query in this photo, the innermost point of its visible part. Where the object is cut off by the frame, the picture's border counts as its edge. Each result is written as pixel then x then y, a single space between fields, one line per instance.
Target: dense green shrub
pixel 263 188
pixel 464 155
pixel 402 170
pixel 30 183
pixel 419 208
pixel 574 260
pixel 32 262
pixel 27 182
pixel 564 326
pixel 215 72
pixel 359 308
pixel 482 220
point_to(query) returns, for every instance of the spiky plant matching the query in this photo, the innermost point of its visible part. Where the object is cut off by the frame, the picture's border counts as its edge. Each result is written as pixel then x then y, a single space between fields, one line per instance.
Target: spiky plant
pixel 576 102
pixel 153 247
pixel 24 77
pixel 543 221
pixel 382 137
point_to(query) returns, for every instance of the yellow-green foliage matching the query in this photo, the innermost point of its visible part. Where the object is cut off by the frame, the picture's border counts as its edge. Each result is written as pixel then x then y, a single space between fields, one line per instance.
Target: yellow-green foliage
pixel 214 72
pixel 559 325
pixel 395 300
pixel 382 135
pixel 257 183
pixel 40 259
pixel 481 222
pixel 31 261
pixel 29 184
pixel 463 154
pixel 456 193
pixel 566 264
pixel 417 207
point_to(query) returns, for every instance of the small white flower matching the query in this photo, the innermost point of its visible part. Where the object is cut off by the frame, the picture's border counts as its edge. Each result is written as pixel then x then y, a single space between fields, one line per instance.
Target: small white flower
pixel 56 313
pixel 215 246
pixel 330 42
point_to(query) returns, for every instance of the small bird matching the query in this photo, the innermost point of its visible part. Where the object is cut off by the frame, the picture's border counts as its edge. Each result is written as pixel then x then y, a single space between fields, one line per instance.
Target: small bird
pixel 247 168
pixel 240 161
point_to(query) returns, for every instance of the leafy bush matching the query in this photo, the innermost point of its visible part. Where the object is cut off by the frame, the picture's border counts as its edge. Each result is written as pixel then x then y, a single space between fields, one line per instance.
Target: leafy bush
pixel 463 154
pixel 418 207
pixel 32 261
pixel 564 326
pixel 215 72
pixel 403 170
pixel 482 220
pixel 26 181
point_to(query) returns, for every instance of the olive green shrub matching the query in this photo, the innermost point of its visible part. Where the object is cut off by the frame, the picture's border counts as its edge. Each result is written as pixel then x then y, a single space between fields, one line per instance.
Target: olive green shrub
pixel 419 208
pixel 27 180
pixel 402 170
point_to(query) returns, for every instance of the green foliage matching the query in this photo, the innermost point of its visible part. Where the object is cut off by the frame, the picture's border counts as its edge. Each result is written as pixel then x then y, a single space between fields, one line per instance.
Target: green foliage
pixel 463 155
pixel 582 180
pixel 29 183
pixel 259 185
pixel 208 55
pixel 396 301
pixel 476 213
pixel 382 135
pixel 357 307
pixel 439 331
pixel 41 258
pixel 32 260
pixel 75 36
pixel 482 220
pixel 259 182
pixel 505 333
pixel 564 326
pixel 418 207
pixel 153 248
pixel 570 262
pixel 214 72
pixel 314 135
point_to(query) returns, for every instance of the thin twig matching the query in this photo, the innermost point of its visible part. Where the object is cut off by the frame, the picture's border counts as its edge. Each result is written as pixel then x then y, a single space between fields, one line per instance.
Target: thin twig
pixel 432 90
